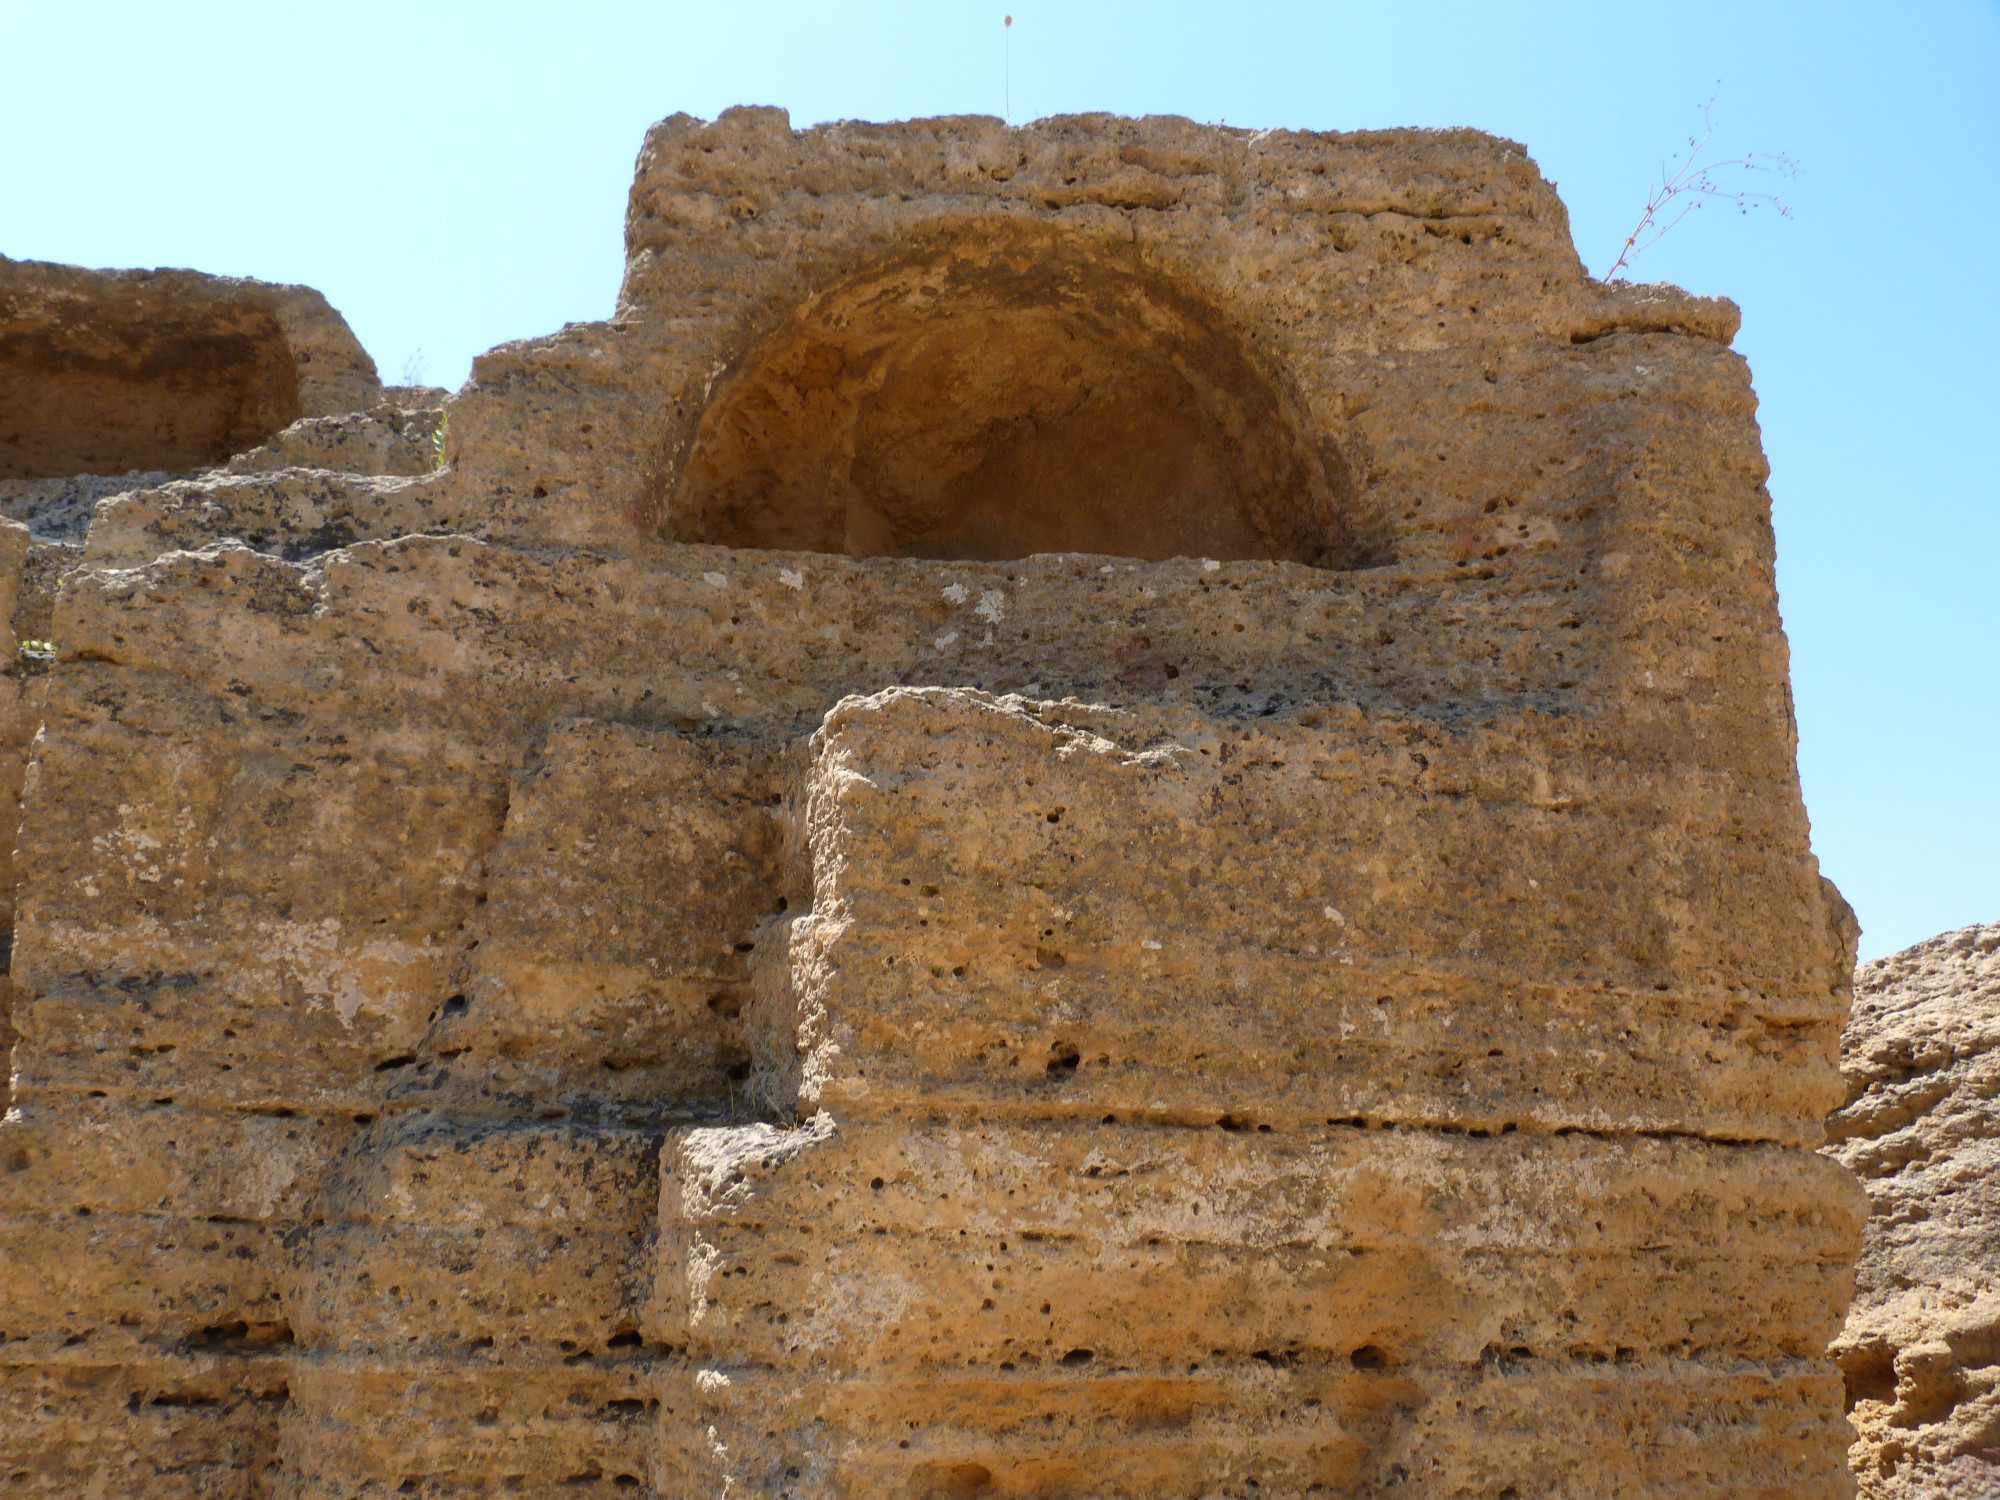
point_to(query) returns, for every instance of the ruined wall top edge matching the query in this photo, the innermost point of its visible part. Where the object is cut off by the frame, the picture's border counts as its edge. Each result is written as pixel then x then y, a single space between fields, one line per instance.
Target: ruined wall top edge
pixel 1338 261
pixel 334 373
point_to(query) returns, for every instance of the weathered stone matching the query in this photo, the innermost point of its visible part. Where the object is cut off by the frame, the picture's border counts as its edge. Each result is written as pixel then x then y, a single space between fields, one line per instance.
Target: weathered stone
pixel 107 371
pixel 710 946
pixel 60 510
pixel 385 441
pixel 295 513
pixel 415 398
pixel 1921 1128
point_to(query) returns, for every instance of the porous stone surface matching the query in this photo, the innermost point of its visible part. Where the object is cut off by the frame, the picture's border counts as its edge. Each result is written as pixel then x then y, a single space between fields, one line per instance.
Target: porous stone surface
pixel 102 372
pixel 388 440
pixel 1105 809
pixel 1921 1129
pixel 60 509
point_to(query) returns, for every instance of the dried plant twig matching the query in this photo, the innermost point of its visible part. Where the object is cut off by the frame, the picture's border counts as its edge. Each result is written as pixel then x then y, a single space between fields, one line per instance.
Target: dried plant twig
pixel 1687 183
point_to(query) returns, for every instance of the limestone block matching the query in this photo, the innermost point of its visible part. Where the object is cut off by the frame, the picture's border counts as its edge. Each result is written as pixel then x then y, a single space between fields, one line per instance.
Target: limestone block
pixel 291 513
pixel 386 440
pixel 1921 1349
pixel 1678 1430
pixel 60 509
pixel 109 1155
pixel 1310 941
pixel 1138 1244
pixel 103 1279
pixel 428 1239
pixel 635 874
pixel 1026 1179
pixel 106 371
pixel 444 1431
pixel 191 1428
pixel 232 787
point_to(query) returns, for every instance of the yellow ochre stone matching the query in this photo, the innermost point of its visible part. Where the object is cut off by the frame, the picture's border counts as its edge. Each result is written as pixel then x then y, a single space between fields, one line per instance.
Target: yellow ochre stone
pixel 1105 809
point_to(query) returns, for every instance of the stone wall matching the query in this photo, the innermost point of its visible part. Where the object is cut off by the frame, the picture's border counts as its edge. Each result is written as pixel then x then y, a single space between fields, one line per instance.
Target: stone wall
pixel 103 372
pixel 525 983
pixel 1921 1350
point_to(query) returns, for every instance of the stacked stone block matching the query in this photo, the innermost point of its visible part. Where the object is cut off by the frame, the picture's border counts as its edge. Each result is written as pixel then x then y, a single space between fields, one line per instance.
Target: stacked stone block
pixel 516 995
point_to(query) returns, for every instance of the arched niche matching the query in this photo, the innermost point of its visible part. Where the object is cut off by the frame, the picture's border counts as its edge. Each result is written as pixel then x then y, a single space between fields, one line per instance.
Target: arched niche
pixel 106 372
pixel 1000 391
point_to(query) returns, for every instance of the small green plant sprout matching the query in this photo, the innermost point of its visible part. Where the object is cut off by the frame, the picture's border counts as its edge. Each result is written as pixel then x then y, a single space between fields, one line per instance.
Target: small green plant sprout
pixel 1687 183
pixel 40 650
pixel 437 442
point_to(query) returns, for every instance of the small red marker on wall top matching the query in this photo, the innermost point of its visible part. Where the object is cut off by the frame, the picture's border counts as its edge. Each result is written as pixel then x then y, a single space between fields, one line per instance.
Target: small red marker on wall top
pixel 1007 80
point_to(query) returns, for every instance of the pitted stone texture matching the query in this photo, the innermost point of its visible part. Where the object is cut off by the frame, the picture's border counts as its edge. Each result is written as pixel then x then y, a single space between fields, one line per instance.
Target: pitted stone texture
pixel 61 510
pixel 884 1305
pixel 1106 1094
pixel 467 1303
pixel 403 857
pixel 294 513
pixel 636 872
pixel 107 371
pixel 1017 913
pixel 386 1427
pixel 190 1428
pixel 1360 276
pixel 1921 1128
pixel 384 441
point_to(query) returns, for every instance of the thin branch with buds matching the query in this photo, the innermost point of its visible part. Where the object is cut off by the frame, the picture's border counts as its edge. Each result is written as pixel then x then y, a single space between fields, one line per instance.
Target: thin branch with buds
pixel 1687 183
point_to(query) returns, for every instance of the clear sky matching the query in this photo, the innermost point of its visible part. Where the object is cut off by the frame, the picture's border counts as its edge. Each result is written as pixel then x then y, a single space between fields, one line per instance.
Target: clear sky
pixel 453 175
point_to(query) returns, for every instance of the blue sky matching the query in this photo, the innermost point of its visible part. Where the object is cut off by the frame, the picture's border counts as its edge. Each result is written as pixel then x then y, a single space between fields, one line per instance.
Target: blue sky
pixel 453 175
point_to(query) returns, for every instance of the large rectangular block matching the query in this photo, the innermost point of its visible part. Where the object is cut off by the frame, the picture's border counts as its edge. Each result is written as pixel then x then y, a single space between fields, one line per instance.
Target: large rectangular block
pixel 1682 1428
pixel 1016 912
pixel 878 1246
pixel 447 1428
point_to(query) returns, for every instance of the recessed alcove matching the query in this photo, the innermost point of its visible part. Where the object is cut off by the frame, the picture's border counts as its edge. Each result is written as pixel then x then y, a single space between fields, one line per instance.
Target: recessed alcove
pixel 993 395
pixel 138 378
